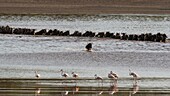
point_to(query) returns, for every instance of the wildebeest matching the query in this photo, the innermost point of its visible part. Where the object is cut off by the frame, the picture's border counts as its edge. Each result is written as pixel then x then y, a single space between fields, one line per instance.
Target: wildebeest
pixel 89 46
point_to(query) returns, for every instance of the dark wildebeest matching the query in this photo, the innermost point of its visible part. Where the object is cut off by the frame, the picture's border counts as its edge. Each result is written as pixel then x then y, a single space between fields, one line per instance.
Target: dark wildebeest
pixel 89 46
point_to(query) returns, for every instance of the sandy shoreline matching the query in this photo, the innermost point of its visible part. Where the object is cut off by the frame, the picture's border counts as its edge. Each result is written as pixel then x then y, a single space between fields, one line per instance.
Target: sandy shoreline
pixel 84 7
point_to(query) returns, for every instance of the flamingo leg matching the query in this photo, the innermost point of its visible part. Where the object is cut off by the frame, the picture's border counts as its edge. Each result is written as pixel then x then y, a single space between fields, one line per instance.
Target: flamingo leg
pixel 115 81
pixel 76 82
pixel 102 83
pixel 135 81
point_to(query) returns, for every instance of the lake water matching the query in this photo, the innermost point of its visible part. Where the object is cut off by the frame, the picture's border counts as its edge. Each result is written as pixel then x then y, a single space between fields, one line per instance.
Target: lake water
pixel 21 55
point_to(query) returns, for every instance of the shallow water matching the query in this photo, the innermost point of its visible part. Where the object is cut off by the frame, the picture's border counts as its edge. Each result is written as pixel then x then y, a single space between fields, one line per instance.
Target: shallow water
pixel 81 87
pixel 21 55
pixel 43 44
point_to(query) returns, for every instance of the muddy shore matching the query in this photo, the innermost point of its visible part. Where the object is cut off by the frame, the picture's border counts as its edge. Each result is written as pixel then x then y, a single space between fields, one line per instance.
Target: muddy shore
pixel 84 7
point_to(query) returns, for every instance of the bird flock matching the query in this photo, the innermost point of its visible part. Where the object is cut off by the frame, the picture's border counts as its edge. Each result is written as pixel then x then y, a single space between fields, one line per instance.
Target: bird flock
pixel 111 75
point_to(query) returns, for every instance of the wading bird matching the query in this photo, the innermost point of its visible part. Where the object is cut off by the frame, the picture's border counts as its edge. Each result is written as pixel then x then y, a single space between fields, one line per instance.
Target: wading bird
pixel 135 76
pixel 75 75
pixel 114 74
pixel 63 74
pixel 111 76
pixel 99 78
pixel 113 88
pixel 37 75
pixel 89 46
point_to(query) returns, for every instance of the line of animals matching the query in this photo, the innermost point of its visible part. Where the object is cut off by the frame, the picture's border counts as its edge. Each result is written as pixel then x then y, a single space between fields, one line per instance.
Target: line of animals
pixel 112 76
pixel 159 37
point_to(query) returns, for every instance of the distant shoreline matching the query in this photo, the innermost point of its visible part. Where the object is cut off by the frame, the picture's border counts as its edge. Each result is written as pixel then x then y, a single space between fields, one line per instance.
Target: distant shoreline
pixel 84 7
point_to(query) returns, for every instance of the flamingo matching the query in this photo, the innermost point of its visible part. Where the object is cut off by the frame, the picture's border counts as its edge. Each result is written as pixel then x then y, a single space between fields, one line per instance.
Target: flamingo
pixel 75 76
pixel 113 88
pixel 135 76
pixel 114 74
pixel 63 74
pixel 111 76
pixel 99 78
pixel 37 75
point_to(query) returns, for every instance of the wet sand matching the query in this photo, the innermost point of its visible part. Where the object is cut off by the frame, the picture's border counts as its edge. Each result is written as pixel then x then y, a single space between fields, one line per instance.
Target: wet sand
pixel 83 87
pixel 84 7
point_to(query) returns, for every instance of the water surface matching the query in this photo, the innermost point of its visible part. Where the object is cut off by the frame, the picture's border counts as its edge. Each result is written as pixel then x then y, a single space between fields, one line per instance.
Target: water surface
pixel 22 55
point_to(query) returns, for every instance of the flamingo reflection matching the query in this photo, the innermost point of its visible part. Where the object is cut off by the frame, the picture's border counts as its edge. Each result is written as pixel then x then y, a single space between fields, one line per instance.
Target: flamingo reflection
pixel 134 89
pixel 37 91
pixel 99 78
pixel 75 75
pixel 113 89
pixel 75 89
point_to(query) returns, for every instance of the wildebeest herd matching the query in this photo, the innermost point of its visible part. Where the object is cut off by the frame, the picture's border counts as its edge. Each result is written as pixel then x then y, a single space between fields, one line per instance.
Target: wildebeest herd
pixel 159 37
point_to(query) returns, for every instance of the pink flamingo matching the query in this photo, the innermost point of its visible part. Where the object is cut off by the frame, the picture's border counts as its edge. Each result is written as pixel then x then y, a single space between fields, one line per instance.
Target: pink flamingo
pixel 63 74
pixel 135 76
pixel 37 75
pixel 99 78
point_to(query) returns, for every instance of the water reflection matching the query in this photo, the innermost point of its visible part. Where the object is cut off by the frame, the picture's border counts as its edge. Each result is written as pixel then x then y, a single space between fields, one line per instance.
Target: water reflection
pixel 54 87
pixel 134 89
pixel 113 89
pixel 65 93
pixel 37 92
pixel 100 93
pixel 75 89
